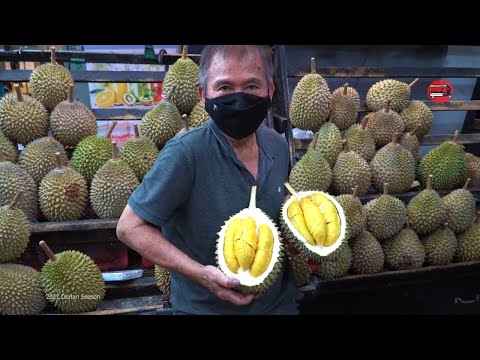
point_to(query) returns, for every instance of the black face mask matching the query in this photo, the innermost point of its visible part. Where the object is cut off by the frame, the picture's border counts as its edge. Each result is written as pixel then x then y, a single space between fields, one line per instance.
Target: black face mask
pixel 238 115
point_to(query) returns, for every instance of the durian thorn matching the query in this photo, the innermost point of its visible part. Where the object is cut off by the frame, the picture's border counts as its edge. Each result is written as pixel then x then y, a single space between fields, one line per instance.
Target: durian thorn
pixel 407 222
pixel 15 200
pixel 253 196
pixel 114 150
pixel 2 157
pixel 291 189
pixel 135 129
pixel 387 107
pixel 385 188
pixel 48 251
pixel 355 191
pixel 174 87
pixel 185 122
pixel 58 160
pixel 345 89
pixel 184 52
pixel 313 66
pixel 429 182
pixel 314 140
pixel 413 82
pixel 445 224
pixel 365 121
pixel 18 91
pixel 53 58
pixel 456 135
pixel 395 137
pixel 70 93
pixel 110 129
pixel 467 184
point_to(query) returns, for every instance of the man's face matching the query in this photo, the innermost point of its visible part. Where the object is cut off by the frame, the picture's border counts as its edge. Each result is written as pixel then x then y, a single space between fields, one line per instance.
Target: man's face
pixel 231 74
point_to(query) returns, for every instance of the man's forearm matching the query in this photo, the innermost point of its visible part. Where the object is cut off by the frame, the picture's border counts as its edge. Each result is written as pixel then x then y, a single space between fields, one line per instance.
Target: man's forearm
pixel 149 242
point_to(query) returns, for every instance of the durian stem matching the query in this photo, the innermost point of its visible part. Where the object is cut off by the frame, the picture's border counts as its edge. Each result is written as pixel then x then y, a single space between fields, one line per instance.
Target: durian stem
pixel 253 196
pixel 185 122
pixel 291 189
pixel 385 189
pixel 345 89
pixel 110 129
pixel 18 91
pixel 48 251
pixel 174 87
pixel 456 135
pixel 135 128
pixel 395 138
pixel 70 94
pixel 412 133
pixel 355 191
pixel 184 52
pixel 429 182
pixel 314 141
pixel 407 221
pixel 15 200
pixel 313 66
pixel 53 58
pixel 387 107
pixel 364 122
pixel 414 82
pixel 467 184
pixel 2 157
pixel 59 160
pixel 114 150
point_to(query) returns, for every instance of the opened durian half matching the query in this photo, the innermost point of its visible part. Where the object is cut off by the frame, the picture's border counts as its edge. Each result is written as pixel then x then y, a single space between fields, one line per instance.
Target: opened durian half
pixel 249 248
pixel 314 222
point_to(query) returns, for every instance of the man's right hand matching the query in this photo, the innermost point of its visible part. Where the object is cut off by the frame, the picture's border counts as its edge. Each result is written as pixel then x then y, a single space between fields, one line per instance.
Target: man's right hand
pixel 221 285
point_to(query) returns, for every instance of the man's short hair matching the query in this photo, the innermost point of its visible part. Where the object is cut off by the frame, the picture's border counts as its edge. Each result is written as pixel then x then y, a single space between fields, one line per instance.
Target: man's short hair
pixel 240 51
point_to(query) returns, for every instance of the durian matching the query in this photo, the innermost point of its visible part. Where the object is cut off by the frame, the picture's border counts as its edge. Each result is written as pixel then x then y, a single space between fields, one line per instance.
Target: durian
pixel 14 231
pixel 336 264
pixel 38 157
pixel 426 210
pixel 358 139
pixel 418 113
pixel 460 208
pixel 63 193
pixel 355 213
pixel 405 251
pixel 249 248
pixel 163 122
pixel 13 179
pixel 112 186
pixel 395 165
pixel 162 278
pixel 22 118
pixel 8 149
pixel 184 74
pixel 468 248
pixel 314 222
pixel 345 106
pixel 367 254
pixel 71 121
pixel 311 101
pixel 312 171
pixel 447 163
pixel 410 142
pixel 71 281
pixel 300 265
pixel 386 215
pixel 50 83
pixel 351 169
pixel 440 246
pixel 91 153
pixel 140 153
pixel 329 143
pixel 473 169
pixel 20 291
pixel 398 92
pixel 198 116
pixel 383 124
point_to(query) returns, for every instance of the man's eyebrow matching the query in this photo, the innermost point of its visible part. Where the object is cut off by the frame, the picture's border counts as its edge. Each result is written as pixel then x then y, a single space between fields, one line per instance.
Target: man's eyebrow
pixel 224 81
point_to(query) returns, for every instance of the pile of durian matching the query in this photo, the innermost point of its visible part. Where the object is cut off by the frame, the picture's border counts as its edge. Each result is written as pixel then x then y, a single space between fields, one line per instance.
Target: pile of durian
pixel 380 153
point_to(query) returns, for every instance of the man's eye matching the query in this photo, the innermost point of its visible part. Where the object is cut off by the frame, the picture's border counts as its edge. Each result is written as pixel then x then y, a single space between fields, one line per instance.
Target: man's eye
pixel 253 87
pixel 224 88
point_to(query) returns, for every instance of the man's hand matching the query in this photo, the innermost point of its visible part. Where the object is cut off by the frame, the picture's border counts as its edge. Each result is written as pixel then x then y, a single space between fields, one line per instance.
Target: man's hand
pixel 221 285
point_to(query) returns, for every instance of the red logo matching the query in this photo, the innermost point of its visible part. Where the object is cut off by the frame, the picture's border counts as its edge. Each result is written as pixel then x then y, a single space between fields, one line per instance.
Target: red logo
pixel 440 91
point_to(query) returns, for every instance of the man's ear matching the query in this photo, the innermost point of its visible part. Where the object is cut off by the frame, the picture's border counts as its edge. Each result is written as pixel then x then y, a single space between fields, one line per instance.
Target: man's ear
pixel 201 93
pixel 272 90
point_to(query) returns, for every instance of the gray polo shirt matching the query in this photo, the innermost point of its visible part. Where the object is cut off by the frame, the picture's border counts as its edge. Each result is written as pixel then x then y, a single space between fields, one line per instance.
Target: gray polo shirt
pixel 195 185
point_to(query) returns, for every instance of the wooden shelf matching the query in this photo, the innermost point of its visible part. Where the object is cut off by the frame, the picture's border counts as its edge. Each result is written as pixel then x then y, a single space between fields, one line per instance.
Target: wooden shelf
pixel 78 225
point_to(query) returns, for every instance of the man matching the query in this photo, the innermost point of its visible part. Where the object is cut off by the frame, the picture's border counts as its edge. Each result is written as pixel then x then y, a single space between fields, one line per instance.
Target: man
pixel 203 177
